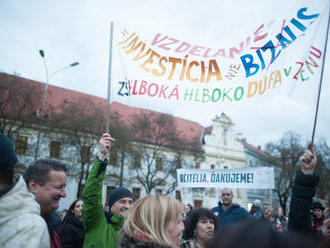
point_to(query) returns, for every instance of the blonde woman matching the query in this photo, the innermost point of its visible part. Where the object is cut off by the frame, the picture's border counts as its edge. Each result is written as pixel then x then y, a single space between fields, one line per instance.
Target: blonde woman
pixel 153 222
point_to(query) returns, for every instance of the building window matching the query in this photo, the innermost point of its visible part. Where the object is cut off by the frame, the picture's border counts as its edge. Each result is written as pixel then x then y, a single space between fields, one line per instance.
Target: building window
pixel 178 195
pixel 55 149
pixel 114 157
pixel 225 167
pixel 212 166
pixel 159 163
pixel 21 144
pixel 85 154
pixel 136 193
pixel 198 203
pixel 159 192
pixel 178 164
pixel 224 136
pixel 197 165
pixel 137 160
pixel 109 190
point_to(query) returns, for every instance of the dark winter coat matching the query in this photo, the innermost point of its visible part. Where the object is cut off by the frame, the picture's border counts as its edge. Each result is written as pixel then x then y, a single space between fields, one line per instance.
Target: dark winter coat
pixel 55 240
pixel 71 232
pixel 130 242
pixel 230 216
pixel 300 215
pixel 53 220
pixel 303 190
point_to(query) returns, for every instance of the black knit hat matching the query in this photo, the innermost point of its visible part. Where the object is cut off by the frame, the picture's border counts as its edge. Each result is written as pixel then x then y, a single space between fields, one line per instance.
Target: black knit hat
pixel 7 153
pixel 118 194
pixel 317 205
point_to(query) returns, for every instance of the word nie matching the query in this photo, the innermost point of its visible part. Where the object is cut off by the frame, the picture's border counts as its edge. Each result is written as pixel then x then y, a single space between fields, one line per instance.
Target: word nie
pixel 233 70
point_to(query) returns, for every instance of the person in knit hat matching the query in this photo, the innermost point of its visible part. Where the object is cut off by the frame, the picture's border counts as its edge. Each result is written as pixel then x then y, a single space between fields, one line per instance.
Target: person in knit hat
pixel 101 232
pixel 318 216
pixel 120 200
pixel 20 222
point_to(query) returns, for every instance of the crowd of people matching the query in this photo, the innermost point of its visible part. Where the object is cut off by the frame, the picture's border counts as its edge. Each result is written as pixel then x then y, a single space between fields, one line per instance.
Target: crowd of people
pixel 28 216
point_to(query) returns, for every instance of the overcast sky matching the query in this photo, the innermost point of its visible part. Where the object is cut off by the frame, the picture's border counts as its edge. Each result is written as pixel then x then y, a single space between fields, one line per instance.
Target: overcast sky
pixel 73 30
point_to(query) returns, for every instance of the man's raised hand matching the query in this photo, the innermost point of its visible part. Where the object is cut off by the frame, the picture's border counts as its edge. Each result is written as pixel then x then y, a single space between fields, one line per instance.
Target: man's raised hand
pixel 105 145
pixel 308 161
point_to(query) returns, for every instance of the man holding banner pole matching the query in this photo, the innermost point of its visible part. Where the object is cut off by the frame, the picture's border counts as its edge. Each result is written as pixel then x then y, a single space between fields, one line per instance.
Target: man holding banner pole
pixel 303 191
pixel 227 212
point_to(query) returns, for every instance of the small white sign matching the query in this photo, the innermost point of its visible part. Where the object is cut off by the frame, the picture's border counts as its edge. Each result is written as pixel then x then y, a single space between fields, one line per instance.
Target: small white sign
pixel 248 178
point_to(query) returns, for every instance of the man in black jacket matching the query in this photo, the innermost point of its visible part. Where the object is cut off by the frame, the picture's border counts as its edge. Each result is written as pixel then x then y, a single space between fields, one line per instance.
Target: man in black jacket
pixel 304 188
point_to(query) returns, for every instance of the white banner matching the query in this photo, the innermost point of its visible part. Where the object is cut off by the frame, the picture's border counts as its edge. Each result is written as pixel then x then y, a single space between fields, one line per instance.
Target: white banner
pixel 168 72
pixel 248 178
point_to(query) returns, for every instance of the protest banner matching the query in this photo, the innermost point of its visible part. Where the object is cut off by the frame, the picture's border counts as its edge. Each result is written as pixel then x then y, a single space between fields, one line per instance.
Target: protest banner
pixel 163 70
pixel 247 178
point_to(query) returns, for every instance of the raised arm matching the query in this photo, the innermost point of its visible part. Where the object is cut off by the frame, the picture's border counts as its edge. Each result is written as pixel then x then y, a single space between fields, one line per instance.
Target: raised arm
pixel 92 212
pixel 302 193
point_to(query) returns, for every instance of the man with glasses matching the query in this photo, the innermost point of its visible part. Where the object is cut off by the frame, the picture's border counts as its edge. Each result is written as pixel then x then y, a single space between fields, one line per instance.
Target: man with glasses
pixel 227 212
pixel 46 179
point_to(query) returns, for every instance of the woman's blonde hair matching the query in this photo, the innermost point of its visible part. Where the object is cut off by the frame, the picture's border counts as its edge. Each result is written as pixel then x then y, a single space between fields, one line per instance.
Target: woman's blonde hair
pixel 150 216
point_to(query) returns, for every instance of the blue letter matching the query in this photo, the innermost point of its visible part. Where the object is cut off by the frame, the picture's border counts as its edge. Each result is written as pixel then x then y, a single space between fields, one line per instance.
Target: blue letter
pixel 302 16
pixel 248 65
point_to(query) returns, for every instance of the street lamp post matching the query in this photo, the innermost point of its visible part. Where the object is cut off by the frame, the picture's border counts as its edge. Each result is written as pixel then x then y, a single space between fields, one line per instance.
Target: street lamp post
pixel 44 100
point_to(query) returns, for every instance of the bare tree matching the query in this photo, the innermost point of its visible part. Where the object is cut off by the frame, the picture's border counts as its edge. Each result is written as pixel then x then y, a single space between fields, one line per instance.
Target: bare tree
pixel 323 169
pixel 19 102
pixel 122 134
pixel 81 122
pixel 288 150
pixel 157 150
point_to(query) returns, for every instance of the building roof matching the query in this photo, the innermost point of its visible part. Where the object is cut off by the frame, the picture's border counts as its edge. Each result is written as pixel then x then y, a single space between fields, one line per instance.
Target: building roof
pixel 189 130
pixel 258 151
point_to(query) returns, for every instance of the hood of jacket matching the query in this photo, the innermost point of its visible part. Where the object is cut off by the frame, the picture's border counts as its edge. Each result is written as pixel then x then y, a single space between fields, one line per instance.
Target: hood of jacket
pixel 126 241
pixel 20 222
pixel 16 202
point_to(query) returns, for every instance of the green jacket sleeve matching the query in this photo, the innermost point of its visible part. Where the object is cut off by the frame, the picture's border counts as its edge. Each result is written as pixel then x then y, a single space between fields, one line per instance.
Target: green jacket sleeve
pixel 92 212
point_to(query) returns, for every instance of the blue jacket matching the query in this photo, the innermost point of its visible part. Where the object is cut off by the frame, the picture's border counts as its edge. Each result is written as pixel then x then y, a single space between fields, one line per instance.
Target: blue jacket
pixel 230 216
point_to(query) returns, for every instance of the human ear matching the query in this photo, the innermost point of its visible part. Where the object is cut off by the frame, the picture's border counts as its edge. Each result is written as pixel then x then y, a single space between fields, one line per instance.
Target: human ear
pixel 33 186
